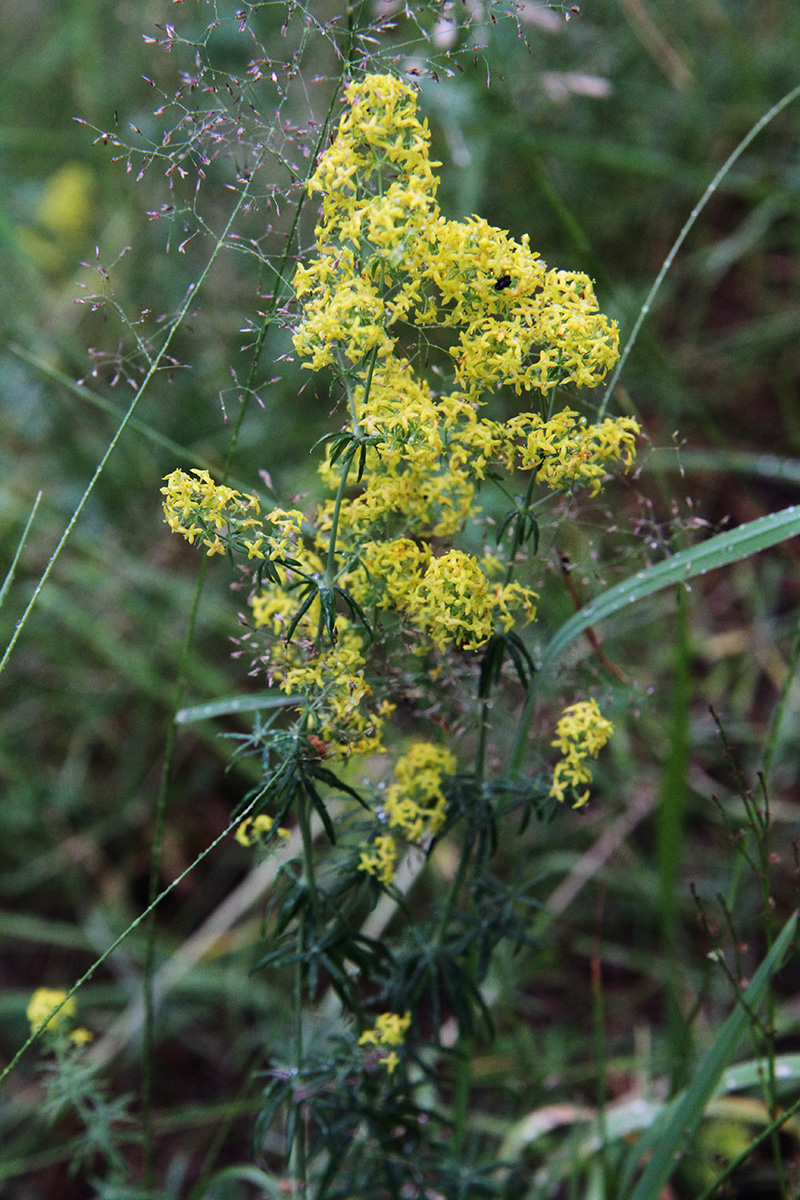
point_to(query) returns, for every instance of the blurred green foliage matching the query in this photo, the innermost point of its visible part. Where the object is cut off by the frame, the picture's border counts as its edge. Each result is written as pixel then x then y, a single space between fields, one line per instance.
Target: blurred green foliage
pixel 596 135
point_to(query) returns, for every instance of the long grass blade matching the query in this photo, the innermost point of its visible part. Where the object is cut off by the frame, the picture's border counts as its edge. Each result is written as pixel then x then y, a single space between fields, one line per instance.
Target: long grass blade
pixel 732 158
pixel 9 579
pixel 718 551
pixel 235 704
pixel 189 299
pixel 669 1139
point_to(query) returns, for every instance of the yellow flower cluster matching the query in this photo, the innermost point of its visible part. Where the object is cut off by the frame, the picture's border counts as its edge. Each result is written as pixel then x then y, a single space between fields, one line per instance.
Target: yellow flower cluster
pixel 201 508
pixel 414 803
pixel 341 712
pixel 390 1030
pixel 518 324
pixel 386 257
pixel 380 858
pixel 255 829
pixel 566 449
pixel 453 602
pixel 386 254
pixel 219 516
pixel 41 1006
pixel 421 319
pixel 581 733
pixel 414 806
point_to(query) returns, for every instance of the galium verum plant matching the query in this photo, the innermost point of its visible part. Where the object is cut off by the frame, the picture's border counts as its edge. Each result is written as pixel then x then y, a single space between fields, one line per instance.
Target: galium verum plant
pixel 378 599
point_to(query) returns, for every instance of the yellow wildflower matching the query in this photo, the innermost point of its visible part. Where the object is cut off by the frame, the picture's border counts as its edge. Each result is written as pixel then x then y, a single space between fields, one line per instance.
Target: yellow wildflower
pixel 41 1005
pixel 390 1030
pixel 254 829
pixel 581 733
pixel 415 803
pixel 566 449
pixel 380 859
pixel 452 602
pixel 201 508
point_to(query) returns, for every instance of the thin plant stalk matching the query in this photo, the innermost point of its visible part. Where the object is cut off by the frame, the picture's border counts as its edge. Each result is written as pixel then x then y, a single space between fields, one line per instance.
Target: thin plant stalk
pixel 732 158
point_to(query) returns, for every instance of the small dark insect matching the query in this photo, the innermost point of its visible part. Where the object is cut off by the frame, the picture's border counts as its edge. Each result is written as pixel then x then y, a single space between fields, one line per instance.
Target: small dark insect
pixel 503 282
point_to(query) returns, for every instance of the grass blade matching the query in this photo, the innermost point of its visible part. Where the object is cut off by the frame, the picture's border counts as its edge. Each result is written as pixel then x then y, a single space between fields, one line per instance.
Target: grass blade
pixel 719 551
pixel 9 579
pixel 682 1118
pixel 235 704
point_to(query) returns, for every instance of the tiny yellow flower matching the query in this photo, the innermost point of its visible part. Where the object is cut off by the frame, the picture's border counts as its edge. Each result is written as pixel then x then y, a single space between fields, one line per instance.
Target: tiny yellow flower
pixel 254 829
pixel 380 859
pixel 41 1005
pixel 390 1061
pixel 390 1030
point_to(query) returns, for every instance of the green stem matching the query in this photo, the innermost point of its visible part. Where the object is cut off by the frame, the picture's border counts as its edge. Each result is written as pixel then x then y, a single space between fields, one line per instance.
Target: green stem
pixel 519 527
pixel 330 566
pixel 520 743
pixel 455 887
pixel 771 1130
pixel 462 1086
pixel 761 827
pixel 776 726
pixel 483 737
pixel 309 878
pixel 298 1157
pixel 159 831
pixel 347 462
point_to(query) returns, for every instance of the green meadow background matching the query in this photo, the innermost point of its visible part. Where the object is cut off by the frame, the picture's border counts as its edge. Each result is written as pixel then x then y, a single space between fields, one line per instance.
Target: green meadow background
pixel 596 135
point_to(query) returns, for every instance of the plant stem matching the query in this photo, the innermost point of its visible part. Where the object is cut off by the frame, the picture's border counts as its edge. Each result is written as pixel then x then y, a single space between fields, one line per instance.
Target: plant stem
pixel 520 743
pixel 462 1085
pixel 298 1157
pixel 330 566
pixel 519 527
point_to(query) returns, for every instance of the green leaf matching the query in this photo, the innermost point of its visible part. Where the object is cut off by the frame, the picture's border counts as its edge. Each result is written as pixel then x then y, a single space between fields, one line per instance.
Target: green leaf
pixel 728 547
pixel 270 1186
pixel 670 1137
pixel 235 704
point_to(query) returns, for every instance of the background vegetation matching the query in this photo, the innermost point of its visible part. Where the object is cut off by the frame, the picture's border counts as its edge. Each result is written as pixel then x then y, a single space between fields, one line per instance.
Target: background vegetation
pixel 597 135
